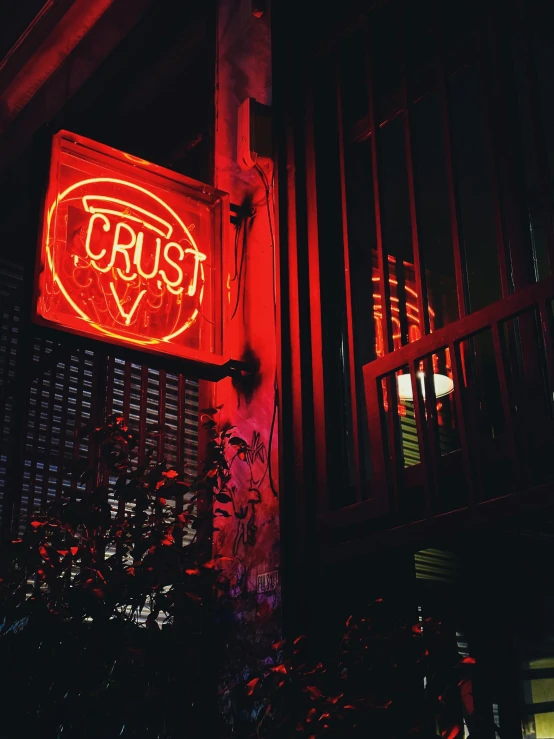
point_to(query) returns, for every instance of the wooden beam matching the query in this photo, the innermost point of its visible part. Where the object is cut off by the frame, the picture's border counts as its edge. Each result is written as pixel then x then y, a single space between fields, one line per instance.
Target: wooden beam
pixel 53 69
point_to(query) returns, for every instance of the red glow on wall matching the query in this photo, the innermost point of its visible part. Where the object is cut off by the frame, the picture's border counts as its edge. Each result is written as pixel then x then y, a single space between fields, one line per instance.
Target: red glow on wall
pixel 130 253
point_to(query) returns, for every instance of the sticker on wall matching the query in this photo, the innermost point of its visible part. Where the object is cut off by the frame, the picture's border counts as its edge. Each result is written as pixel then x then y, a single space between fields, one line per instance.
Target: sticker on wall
pixel 130 252
pixel 268 582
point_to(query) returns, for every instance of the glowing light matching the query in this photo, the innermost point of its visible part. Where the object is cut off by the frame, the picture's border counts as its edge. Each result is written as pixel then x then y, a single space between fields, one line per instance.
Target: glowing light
pixel 118 259
pixel 443 385
pixel 127 210
pixel 127 315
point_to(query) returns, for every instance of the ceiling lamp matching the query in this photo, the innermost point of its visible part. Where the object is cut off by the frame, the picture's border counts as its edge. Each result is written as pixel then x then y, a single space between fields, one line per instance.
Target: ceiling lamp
pixel 443 385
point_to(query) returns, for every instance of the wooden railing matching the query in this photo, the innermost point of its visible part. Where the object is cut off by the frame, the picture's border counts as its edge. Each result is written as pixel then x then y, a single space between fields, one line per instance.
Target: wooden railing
pixel 489 441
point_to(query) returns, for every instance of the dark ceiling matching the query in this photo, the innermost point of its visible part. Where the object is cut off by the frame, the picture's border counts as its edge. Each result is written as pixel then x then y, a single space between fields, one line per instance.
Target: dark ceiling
pixel 14 19
pixel 152 96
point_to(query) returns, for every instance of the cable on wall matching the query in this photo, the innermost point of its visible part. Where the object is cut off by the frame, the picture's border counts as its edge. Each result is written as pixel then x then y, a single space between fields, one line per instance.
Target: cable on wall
pixel 267 188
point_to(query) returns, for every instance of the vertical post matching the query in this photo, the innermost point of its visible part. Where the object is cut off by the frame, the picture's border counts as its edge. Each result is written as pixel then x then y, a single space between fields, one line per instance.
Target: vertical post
pixel 108 410
pixel 48 428
pixel 382 259
pixel 459 260
pixel 499 356
pixel 420 405
pixel 162 388
pixel 467 444
pixel 81 358
pixel 315 309
pixel 63 426
pixel 97 410
pixel 297 520
pixel 546 321
pixel 539 139
pixel 486 77
pixel 142 413
pixel 180 457
pixel 419 267
pixel 35 434
pixel 393 427
pixel 348 290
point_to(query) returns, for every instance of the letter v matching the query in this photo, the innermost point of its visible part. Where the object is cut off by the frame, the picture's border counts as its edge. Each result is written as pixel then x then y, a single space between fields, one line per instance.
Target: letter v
pixel 127 316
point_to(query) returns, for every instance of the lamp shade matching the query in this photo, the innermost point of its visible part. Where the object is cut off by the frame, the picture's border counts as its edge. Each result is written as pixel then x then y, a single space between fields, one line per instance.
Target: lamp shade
pixel 443 385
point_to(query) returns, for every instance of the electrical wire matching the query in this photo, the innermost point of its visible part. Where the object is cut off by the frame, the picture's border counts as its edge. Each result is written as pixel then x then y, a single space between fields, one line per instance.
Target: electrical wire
pixel 239 265
pixel 237 234
pixel 267 188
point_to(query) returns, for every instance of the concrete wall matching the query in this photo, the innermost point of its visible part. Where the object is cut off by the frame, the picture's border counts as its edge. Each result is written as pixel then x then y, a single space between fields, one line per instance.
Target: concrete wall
pixel 251 543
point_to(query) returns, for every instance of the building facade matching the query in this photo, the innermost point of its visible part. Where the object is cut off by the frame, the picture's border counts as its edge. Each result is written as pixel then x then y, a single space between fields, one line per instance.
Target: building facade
pixel 415 201
pixel 387 288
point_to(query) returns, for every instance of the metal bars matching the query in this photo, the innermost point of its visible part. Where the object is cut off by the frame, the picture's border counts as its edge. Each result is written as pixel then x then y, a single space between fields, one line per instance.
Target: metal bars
pixel 494 319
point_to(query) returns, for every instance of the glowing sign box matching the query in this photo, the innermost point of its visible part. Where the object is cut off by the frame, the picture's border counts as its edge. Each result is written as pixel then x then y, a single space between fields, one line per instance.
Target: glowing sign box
pixel 131 253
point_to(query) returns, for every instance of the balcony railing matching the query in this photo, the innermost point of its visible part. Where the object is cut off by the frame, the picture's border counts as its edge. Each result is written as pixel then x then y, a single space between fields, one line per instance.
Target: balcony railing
pixel 487 444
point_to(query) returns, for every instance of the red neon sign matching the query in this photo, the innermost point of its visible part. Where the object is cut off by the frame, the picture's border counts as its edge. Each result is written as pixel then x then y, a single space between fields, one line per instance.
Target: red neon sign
pixel 130 252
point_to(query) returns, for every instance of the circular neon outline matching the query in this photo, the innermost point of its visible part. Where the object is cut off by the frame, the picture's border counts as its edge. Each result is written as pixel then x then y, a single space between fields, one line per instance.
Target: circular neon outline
pixel 75 307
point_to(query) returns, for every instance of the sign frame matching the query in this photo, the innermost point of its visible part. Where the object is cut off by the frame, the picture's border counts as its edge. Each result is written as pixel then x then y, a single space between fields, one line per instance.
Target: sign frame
pixel 212 364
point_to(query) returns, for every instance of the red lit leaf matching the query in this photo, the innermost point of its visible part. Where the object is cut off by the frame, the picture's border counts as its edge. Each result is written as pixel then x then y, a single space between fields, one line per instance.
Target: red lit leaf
pixel 251 686
pixel 454 731
pixel 74 551
pixel 193 571
pixel 162 501
pixel 313 691
pixel 467 661
pixel 417 628
pixel 279 644
pixel 194 597
pixel 36 524
pixel 170 474
pixel 279 668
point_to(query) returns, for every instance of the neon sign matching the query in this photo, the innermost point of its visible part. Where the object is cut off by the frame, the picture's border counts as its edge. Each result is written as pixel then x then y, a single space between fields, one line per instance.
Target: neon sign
pixel 131 253
pixel 443 383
